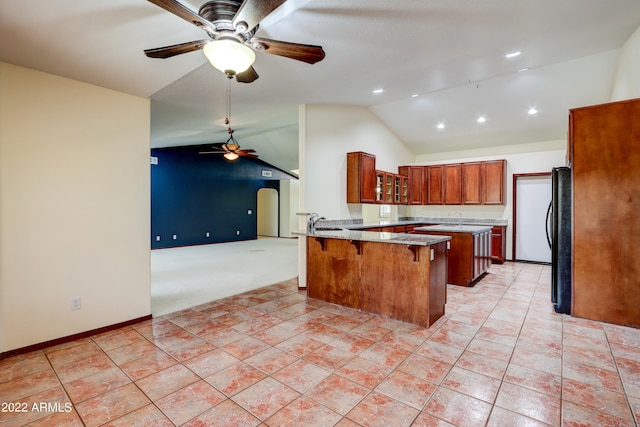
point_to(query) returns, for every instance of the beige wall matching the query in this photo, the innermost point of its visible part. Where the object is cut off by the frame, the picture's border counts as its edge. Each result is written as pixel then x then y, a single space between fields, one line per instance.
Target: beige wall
pixel 74 207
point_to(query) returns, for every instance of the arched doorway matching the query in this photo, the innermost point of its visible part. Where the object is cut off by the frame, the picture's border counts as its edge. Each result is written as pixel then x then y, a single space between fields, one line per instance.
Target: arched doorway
pixel 267 212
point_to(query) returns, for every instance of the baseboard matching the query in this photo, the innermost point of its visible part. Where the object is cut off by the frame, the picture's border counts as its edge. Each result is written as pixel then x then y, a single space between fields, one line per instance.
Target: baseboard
pixel 57 341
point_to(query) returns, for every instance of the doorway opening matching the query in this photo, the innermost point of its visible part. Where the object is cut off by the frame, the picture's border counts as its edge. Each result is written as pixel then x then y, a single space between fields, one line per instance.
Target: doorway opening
pixel 268 212
pixel 531 198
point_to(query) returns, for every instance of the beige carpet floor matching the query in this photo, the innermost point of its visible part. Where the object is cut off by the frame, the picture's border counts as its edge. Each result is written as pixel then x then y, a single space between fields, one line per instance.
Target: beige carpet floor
pixel 189 276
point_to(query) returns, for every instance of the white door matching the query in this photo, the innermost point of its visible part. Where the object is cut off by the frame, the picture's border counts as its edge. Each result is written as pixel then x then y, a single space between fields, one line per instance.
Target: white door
pixel 267 212
pixel 533 195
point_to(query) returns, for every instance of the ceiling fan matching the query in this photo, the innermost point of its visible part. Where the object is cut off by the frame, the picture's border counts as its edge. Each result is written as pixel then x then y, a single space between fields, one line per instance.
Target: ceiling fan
pixel 230 148
pixel 231 25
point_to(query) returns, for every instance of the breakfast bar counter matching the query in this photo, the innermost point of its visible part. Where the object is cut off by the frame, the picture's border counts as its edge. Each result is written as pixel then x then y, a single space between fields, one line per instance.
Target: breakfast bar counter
pixel 397 275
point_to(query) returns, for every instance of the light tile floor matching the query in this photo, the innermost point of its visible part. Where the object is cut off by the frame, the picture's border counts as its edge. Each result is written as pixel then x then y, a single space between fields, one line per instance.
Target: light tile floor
pixel 272 357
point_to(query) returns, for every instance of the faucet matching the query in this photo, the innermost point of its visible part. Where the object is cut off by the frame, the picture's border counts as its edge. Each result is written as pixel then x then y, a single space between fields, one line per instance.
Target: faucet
pixel 459 219
pixel 312 221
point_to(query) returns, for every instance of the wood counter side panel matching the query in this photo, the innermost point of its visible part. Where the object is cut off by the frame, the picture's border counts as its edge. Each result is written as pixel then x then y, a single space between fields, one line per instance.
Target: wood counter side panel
pixel 461 257
pixel 393 284
pixel 437 282
pixel 333 274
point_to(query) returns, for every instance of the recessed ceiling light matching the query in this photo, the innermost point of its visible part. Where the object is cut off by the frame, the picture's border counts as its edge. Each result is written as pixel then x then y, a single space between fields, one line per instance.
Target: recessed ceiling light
pixel 513 54
pixel 481 119
pixel 378 91
pixel 440 125
pixel 533 111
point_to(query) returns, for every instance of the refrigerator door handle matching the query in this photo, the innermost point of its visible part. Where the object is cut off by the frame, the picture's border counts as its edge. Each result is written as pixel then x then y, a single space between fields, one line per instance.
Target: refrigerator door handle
pixel 548 224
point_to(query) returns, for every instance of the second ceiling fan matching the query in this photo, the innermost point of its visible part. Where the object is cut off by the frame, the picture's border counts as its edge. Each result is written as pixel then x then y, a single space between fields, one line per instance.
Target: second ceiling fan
pixel 231 25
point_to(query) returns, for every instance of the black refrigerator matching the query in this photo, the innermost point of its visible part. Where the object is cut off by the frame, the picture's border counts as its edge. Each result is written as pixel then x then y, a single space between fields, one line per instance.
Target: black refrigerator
pixel 559 237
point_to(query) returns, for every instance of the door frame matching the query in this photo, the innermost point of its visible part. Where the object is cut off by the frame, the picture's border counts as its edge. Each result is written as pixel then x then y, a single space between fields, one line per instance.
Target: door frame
pixel 515 204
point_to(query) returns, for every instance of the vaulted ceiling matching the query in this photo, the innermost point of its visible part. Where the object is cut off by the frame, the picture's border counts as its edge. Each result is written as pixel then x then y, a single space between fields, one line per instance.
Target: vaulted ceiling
pixel 438 61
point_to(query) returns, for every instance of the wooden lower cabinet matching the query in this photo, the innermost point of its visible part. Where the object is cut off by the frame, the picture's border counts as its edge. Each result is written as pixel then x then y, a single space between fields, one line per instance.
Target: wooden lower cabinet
pixel 498 244
pixel 403 282
pixel 469 256
pixel 481 253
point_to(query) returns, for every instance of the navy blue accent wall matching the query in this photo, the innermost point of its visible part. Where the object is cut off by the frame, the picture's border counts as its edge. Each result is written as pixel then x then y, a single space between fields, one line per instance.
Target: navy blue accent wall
pixel 194 194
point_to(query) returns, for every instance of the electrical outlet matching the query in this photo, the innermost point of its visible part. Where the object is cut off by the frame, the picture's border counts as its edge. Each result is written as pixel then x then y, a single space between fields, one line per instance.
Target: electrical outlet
pixel 237 232
pixel 175 236
pixel 206 234
pixel 249 212
pixel 157 238
pixel 75 303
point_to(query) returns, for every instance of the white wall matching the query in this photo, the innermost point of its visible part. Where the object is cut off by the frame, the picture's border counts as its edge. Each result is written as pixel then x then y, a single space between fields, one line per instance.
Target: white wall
pixel 74 207
pixel 330 133
pixel 627 81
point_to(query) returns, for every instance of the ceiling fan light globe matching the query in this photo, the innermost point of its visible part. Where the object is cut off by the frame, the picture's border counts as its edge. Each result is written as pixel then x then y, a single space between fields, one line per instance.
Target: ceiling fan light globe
pixel 231 156
pixel 229 56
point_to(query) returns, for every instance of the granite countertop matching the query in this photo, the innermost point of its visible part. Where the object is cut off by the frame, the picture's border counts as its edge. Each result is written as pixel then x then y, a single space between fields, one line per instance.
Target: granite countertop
pixel 455 228
pixel 359 225
pixel 376 236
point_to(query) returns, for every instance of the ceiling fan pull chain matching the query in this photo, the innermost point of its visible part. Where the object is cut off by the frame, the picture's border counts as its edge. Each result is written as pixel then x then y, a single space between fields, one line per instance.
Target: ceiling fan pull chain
pixel 228 121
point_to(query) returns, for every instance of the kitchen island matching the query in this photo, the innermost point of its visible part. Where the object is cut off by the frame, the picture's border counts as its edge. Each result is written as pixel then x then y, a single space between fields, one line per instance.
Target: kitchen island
pixel 401 276
pixel 469 252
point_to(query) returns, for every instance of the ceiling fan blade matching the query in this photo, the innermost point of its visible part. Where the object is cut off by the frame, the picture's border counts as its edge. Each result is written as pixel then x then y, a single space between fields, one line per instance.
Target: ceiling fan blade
pixel 185 13
pixel 211 152
pixel 176 49
pixel 247 76
pixel 251 12
pixel 300 52
pixel 243 153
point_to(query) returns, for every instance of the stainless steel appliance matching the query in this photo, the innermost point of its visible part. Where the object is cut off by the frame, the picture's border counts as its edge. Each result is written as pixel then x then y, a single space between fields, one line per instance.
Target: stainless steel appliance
pixel 559 237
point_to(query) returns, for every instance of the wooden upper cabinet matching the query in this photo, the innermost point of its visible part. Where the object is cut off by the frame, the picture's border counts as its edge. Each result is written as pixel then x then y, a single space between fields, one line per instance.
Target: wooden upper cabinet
pixel 400 189
pixel 415 175
pixel 469 183
pixel 361 177
pixel 433 188
pixel 494 174
pixel 472 183
pixel 452 178
pixel 388 188
pixel 379 186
